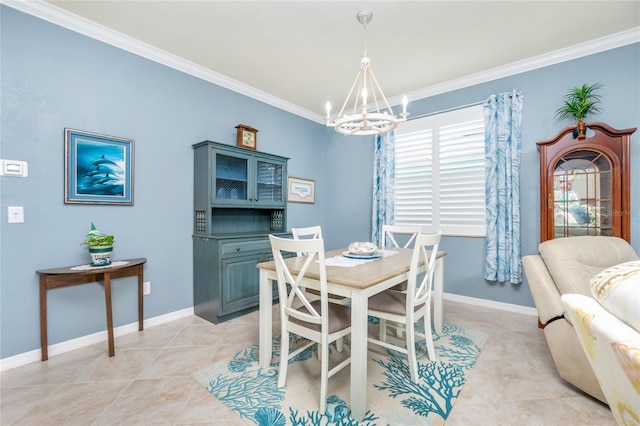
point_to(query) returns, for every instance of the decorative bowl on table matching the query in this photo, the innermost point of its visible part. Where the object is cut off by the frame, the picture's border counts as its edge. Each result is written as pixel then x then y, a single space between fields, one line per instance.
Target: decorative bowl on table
pixel 362 248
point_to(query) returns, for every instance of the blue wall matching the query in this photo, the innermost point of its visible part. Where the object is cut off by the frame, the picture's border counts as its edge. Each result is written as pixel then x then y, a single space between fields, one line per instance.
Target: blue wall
pixel 52 78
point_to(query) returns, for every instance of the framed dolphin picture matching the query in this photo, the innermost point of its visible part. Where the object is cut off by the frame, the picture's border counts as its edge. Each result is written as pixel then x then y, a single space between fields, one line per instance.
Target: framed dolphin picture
pixel 98 169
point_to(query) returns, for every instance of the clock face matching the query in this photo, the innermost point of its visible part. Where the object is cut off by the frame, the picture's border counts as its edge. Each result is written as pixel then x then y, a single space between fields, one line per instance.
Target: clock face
pixel 248 138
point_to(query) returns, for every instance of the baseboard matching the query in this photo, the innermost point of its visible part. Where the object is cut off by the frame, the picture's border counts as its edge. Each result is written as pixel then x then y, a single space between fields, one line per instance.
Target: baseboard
pixel 80 342
pixel 509 307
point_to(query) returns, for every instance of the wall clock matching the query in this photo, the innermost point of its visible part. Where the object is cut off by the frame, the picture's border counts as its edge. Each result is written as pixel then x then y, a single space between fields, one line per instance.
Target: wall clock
pixel 247 136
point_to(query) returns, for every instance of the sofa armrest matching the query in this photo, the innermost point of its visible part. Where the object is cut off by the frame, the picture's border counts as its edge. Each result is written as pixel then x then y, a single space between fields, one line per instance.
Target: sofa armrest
pixel 546 295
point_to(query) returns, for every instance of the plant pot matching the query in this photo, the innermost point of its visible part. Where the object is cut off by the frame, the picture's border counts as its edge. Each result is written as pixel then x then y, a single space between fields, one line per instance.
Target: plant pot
pixel 100 256
pixel 582 130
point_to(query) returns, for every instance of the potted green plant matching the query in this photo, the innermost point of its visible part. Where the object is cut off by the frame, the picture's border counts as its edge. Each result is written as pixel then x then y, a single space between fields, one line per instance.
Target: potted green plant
pixel 579 102
pixel 100 246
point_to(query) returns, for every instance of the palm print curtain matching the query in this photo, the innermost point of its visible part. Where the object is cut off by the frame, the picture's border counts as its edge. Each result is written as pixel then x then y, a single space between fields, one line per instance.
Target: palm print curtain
pixel 503 140
pixel 384 177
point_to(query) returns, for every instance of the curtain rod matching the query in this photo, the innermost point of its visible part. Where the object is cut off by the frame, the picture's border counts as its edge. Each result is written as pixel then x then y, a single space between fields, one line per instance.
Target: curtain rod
pixel 450 109
pixel 446 110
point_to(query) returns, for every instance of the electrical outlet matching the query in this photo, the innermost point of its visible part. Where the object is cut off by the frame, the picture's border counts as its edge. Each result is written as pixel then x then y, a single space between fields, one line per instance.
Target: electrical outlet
pixel 16 214
pixel 146 287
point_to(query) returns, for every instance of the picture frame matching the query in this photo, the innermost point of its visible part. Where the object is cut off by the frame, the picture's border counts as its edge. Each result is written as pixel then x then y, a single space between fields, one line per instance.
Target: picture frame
pixel 301 190
pixel 98 169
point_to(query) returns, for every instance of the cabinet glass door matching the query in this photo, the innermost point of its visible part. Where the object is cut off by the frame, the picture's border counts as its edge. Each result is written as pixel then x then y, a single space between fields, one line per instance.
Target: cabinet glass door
pixel 582 192
pixel 269 182
pixel 231 178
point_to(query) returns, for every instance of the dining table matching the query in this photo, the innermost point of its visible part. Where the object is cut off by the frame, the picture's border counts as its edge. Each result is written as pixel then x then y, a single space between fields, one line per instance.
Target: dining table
pixel 358 283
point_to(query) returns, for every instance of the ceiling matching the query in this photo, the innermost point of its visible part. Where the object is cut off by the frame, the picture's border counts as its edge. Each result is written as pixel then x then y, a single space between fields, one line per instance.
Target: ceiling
pixel 306 53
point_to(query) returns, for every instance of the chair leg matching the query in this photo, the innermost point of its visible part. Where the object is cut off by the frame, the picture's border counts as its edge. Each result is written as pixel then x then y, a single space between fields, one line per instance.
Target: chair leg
pixel 429 336
pixel 411 352
pixel 284 357
pixel 324 377
pixel 319 354
pixel 383 330
pixel 399 331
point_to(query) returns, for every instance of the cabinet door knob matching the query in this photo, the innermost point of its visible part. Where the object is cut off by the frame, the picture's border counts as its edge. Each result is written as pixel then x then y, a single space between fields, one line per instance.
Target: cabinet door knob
pixel 237 248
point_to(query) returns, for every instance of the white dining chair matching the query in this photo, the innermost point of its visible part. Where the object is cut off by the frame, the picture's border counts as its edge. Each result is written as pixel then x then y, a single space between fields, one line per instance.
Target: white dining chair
pixel 319 321
pixel 390 236
pixel 313 232
pixel 408 307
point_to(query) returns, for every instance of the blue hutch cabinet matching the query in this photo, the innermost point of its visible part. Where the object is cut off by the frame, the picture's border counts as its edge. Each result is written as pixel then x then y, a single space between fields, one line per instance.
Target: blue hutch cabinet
pixel 239 199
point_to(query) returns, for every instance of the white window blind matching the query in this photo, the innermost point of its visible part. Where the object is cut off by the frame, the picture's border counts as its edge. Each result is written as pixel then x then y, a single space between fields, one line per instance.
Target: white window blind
pixel 440 173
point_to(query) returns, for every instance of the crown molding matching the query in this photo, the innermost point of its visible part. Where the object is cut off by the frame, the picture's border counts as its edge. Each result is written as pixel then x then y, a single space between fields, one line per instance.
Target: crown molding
pixel 60 17
pixel 562 55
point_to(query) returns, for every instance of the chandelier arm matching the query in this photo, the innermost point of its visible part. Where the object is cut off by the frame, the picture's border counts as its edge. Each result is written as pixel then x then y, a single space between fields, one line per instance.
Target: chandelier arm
pixel 381 92
pixel 350 92
pixel 375 95
pixel 353 131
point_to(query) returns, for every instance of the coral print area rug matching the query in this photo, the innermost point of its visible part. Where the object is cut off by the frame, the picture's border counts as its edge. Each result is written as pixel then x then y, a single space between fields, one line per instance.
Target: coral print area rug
pixel 393 399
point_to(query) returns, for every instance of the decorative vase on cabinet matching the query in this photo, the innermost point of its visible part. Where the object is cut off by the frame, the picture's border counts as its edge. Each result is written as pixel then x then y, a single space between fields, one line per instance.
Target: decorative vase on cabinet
pixel 239 199
pixel 585 183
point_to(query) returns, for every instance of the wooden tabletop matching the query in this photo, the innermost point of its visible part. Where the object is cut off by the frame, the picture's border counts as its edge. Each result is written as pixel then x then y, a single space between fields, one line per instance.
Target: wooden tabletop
pixel 94 270
pixel 359 276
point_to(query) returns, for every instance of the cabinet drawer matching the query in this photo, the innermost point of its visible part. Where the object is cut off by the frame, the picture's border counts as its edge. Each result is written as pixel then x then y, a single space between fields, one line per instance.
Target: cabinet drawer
pixel 236 247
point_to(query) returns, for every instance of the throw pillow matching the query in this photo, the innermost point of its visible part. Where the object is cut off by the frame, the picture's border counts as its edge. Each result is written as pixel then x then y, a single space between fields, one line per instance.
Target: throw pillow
pixel 617 289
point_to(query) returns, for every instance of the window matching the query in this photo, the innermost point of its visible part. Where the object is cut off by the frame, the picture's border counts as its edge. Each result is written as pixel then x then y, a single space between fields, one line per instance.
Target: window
pixel 440 173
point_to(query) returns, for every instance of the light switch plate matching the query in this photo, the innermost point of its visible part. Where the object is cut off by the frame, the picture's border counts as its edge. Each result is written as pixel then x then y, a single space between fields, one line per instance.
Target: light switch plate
pixel 13 168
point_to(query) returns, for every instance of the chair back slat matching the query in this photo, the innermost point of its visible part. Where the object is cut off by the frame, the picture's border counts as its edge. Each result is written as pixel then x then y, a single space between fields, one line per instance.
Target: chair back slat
pixel 390 232
pixel 426 249
pixel 310 232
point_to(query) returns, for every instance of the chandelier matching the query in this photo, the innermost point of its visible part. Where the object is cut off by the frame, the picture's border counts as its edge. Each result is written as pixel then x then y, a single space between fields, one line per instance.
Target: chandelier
pixel 362 118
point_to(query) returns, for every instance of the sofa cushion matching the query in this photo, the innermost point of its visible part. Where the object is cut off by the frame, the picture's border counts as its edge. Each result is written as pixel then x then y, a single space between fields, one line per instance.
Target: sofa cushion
pixel 573 261
pixel 618 291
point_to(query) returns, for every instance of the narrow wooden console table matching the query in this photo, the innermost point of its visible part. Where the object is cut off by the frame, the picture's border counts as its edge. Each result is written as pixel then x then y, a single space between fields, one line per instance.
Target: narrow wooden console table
pixel 69 276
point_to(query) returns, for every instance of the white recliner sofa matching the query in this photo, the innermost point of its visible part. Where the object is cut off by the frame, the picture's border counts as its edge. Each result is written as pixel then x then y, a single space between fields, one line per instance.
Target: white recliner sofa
pixel 566 266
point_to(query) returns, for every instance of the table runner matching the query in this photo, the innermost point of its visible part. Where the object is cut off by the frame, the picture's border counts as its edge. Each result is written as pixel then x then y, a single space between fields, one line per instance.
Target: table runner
pixel 88 267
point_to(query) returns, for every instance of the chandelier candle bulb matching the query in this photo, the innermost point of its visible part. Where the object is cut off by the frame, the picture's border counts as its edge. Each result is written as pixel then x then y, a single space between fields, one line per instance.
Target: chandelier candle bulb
pixel 328 108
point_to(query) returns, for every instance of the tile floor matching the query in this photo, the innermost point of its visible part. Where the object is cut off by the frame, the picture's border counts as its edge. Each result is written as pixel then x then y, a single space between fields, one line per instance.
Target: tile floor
pixel 148 381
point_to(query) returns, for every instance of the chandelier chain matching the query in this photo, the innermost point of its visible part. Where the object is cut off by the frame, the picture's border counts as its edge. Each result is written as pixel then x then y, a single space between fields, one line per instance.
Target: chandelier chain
pixel 365 37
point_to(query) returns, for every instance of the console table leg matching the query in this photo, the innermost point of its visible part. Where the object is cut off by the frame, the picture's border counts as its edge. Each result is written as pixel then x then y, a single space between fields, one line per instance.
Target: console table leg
pixel 44 345
pixel 140 299
pixel 107 298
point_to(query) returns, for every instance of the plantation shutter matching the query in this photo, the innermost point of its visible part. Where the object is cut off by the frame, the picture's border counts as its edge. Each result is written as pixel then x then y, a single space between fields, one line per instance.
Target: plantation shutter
pixel 414 179
pixel 440 173
pixel 462 189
